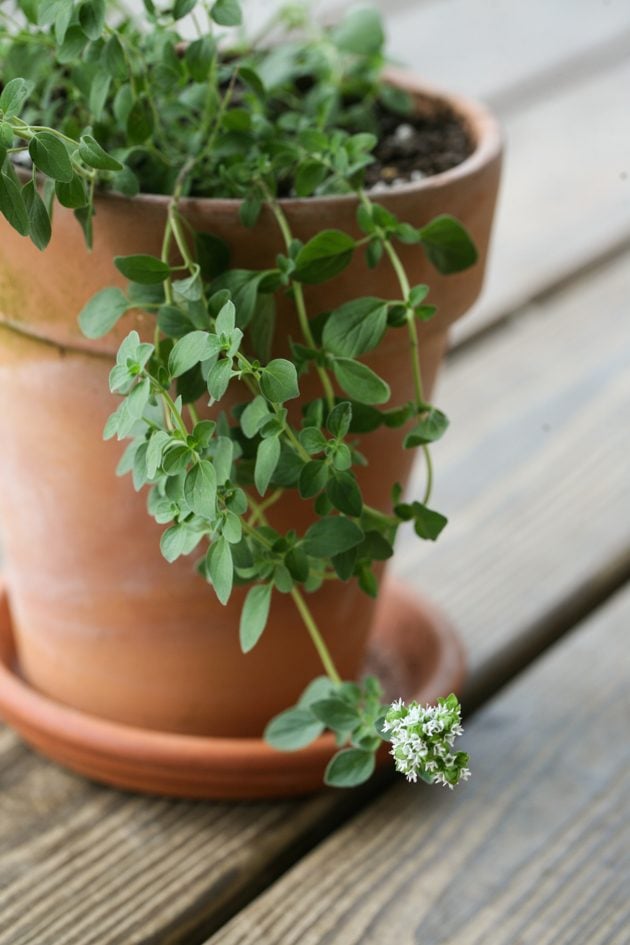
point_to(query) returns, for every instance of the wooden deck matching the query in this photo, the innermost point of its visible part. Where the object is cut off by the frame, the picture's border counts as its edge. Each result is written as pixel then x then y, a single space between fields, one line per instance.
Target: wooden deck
pixel 534 569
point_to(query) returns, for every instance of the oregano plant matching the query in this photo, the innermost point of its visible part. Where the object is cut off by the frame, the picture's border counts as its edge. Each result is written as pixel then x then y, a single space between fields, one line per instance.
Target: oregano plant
pixel 97 98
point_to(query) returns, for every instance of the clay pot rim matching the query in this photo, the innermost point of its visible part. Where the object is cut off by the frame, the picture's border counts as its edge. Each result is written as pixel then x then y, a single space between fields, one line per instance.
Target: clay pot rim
pixel 479 120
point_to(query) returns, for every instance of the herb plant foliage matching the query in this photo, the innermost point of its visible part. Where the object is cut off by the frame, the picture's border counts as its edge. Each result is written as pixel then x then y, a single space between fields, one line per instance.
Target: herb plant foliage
pixel 95 97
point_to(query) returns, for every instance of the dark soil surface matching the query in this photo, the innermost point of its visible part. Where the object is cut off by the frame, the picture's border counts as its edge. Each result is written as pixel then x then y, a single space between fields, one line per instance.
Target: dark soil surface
pixel 414 147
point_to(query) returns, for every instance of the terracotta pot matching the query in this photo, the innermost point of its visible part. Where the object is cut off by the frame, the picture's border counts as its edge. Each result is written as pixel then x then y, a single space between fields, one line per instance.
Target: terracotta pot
pixel 102 623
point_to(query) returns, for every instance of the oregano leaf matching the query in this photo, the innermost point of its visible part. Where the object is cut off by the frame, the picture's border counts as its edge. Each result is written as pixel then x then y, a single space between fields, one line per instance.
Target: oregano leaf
pixel 350 767
pixel 254 615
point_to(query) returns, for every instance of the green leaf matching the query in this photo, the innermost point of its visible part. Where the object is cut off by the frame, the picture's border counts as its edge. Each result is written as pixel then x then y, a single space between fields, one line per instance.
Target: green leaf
pixel 313 478
pixel 220 568
pixel 72 194
pixel 350 767
pixel 147 270
pixel 428 524
pixel 331 536
pixel 296 561
pixel 309 176
pixel 360 382
pixel 313 440
pixel 279 381
pixel 374 253
pixel 92 18
pixel 376 547
pixel 138 398
pixel 114 58
pixel 431 428
pixel 255 414
pixel 199 56
pixel 319 688
pixel 101 313
pixel 344 564
pixel 140 121
pixel 203 432
pixel 418 294
pixel 182 8
pixel 39 220
pixel 173 542
pixel 344 493
pixel 200 489
pixel 73 45
pixel 361 32
pixel 367 581
pixel 324 256
pixel 223 458
pixel 158 441
pixel 251 78
pixel 176 458
pixel 339 419
pixel 293 729
pixel 267 458
pixel 50 155
pixel 95 156
pixel 190 350
pixel 173 322
pixel 14 94
pixel 448 245
pixel 254 615
pixel 226 13
pixel 85 218
pixel 252 205
pixel 407 233
pixel 336 714
pixel 213 255
pixel 226 319
pixel 219 378
pixel 99 91
pixel 355 327
pixel 242 285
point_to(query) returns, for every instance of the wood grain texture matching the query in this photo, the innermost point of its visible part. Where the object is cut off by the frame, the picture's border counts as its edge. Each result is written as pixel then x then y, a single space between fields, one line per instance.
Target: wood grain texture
pixel 84 865
pixel 565 194
pixel 533 850
pixel 494 50
pixel 533 472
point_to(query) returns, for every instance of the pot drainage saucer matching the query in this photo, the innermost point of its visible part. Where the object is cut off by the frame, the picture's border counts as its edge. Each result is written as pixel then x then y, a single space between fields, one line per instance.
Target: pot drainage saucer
pixel 413 650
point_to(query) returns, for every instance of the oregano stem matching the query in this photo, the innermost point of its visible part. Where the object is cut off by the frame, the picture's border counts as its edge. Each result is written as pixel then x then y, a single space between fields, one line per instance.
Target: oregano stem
pixel 316 637
pixel 300 302
pixel 429 485
pixel 403 281
pixel 302 607
pixel 415 355
pixel 261 507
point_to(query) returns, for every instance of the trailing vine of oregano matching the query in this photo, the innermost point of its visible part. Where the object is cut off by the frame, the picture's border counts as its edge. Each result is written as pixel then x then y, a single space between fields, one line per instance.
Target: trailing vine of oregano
pixel 96 98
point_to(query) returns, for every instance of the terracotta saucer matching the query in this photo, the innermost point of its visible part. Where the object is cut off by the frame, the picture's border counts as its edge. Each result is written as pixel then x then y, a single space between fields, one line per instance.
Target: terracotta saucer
pixel 414 651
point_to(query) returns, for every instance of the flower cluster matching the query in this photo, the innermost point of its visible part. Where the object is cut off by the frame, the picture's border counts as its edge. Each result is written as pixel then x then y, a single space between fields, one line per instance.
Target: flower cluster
pixel 422 740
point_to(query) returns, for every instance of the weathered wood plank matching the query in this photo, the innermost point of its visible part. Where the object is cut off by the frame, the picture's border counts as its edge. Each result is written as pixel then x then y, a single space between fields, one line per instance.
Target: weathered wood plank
pixel 565 196
pixel 533 473
pixel 496 50
pixel 531 850
pixel 85 864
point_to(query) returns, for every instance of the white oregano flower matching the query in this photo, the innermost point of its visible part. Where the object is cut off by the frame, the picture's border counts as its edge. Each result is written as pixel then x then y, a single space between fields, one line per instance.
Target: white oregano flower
pixel 422 739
